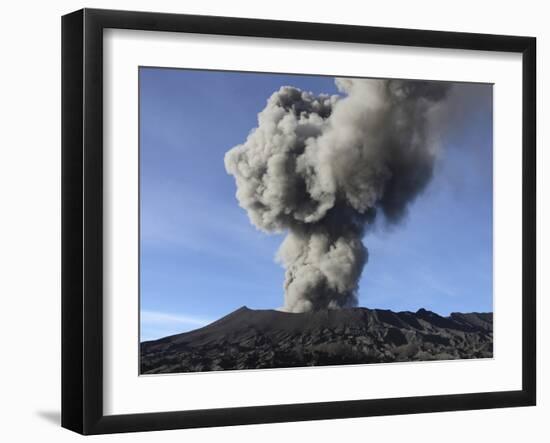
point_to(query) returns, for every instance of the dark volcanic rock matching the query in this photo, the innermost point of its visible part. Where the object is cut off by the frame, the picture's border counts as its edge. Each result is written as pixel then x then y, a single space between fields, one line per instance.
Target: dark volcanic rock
pixel 253 339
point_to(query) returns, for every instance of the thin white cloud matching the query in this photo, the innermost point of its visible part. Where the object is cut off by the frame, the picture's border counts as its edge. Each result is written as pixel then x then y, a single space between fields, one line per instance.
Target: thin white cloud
pixel 156 318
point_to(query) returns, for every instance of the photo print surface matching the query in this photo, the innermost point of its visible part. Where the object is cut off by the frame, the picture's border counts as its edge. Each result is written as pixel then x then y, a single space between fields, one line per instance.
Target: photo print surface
pixel 298 220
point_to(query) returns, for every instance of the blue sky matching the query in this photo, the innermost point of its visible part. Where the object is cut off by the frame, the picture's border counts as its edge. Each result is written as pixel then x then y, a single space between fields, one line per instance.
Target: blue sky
pixel 200 256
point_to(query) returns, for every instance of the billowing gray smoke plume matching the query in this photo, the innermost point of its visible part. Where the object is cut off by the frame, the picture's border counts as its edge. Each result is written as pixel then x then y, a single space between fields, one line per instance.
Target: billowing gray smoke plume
pixel 322 167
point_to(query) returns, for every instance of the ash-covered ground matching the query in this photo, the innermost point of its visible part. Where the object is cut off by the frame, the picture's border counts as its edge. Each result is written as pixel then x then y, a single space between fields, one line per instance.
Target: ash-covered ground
pixel 255 339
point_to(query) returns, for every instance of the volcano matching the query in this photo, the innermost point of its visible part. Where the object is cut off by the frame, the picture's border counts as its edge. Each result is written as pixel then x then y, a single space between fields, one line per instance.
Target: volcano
pixel 258 339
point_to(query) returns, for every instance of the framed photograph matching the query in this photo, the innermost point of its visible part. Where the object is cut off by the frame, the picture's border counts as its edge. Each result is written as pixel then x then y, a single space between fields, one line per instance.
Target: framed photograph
pixel 269 221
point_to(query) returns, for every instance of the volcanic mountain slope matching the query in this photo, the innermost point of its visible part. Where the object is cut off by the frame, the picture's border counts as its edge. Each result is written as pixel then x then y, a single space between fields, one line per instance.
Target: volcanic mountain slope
pixel 252 339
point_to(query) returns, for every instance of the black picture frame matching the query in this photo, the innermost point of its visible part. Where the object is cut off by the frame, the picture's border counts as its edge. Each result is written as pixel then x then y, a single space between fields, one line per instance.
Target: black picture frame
pixel 82 216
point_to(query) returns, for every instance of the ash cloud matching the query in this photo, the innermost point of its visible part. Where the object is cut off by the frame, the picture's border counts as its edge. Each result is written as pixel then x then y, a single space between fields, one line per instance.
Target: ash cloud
pixel 321 168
